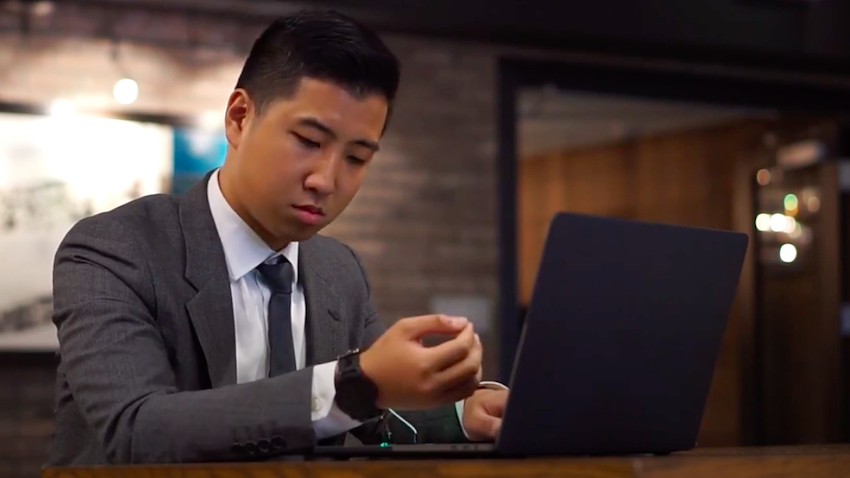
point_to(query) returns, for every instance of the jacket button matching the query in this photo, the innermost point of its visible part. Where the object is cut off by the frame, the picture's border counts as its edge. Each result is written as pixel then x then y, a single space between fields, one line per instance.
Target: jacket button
pixel 251 448
pixel 263 446
pixel 278 443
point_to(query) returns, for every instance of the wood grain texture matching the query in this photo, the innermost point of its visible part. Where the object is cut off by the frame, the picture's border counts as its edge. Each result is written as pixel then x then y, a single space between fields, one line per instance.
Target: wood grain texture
pixel 584 468
pixel 809 462
pixel 768 385
pixel 689 177
pixel 818 461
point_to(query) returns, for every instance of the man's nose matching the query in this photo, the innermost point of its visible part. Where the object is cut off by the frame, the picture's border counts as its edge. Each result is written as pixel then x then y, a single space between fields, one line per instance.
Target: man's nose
pixel 322 176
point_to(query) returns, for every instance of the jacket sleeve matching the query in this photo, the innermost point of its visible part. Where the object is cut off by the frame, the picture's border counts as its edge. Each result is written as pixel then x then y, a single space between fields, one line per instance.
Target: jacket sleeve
pixel 117 367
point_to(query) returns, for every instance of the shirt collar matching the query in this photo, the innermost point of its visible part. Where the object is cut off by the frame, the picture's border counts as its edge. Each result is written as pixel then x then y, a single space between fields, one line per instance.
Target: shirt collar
pixel 243 248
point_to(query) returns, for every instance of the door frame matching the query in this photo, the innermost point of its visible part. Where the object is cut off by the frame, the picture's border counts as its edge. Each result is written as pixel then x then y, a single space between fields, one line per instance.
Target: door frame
pixel 691 82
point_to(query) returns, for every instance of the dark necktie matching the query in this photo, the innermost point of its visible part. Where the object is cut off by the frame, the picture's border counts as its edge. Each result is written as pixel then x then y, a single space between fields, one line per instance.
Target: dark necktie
pixel 278 274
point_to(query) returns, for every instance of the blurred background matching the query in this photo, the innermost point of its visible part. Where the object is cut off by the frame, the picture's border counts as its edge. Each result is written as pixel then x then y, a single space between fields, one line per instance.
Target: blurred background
pixel 730 114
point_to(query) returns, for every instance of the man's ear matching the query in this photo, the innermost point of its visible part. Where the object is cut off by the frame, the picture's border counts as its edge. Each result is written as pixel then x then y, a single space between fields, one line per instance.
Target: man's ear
pixel 240 109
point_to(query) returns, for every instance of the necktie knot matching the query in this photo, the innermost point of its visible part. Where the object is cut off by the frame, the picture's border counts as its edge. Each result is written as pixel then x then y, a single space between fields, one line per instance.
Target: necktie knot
pixel 278 274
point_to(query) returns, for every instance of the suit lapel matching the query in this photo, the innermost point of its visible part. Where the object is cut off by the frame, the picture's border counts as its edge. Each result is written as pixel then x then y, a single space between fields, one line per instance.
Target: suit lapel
pixel 211 309
pixel 324 327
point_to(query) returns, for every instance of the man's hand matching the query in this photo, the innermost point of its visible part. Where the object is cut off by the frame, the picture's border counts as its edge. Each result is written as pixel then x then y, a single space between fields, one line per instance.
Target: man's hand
pixel 411 376
pixel 482 414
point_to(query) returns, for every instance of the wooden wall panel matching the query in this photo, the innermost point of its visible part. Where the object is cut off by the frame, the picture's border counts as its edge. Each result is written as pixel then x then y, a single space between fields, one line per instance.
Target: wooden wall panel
pixel 801 347
pixel 685 178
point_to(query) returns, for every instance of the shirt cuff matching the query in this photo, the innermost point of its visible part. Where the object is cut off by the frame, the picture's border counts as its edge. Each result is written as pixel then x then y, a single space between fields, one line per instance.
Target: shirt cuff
pixel 459 403
pixel 328 419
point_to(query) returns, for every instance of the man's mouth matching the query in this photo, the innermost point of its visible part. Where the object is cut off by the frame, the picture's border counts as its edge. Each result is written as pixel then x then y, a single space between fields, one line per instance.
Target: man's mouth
pixel 308 214
pixel 312 209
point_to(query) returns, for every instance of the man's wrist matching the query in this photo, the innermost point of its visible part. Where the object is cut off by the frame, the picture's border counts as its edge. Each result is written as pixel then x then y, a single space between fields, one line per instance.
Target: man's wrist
pixel 356 394
pixel 488 385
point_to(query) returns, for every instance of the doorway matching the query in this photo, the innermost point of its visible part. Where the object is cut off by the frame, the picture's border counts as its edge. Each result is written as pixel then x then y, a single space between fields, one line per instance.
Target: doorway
pixel 686 148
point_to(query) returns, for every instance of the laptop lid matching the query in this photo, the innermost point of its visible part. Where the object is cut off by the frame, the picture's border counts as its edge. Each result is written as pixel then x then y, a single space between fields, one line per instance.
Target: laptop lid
pixel 621 338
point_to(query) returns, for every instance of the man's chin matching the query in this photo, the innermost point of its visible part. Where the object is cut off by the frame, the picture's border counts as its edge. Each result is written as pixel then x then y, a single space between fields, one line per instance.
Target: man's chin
pixel 304 231
pixel 297 230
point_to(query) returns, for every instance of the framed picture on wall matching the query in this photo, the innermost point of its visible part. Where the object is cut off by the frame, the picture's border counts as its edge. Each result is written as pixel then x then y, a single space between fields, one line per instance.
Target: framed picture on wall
pixel 55 171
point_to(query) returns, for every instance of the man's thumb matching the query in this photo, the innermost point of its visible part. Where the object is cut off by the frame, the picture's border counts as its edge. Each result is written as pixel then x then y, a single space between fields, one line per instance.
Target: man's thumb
pixel 417 327
pixel 495 426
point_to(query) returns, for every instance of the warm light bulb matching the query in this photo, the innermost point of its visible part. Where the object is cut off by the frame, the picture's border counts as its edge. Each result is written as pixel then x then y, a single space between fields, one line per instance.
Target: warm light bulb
pixel 790 225
pixel 126 91
pixel 813 204
pixel 777 222
pixel 787 253
pixel 763 177
pixel 763 222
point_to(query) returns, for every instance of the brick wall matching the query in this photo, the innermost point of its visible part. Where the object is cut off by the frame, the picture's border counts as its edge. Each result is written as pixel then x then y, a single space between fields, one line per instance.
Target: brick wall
pixel 424 221
pixel 26 412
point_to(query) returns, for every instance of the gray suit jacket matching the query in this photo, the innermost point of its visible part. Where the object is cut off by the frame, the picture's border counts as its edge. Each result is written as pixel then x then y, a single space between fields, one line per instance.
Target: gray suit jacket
pixel 148 366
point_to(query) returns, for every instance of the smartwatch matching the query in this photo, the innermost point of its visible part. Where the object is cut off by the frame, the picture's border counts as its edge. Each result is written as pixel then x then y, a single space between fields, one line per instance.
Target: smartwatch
pixel 356 394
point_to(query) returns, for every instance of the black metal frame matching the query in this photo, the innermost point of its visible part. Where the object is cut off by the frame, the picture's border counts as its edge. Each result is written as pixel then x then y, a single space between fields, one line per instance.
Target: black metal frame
pixel 43 110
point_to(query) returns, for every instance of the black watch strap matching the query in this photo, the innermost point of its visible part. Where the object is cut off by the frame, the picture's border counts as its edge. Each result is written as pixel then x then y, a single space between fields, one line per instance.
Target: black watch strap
pixel 356 394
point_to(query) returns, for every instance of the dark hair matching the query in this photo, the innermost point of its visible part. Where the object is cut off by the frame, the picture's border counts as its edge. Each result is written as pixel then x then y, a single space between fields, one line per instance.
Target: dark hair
pixel 324 45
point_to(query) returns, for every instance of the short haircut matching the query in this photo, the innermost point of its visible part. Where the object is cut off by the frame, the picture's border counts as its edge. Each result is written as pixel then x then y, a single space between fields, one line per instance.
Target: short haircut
pixel 320 44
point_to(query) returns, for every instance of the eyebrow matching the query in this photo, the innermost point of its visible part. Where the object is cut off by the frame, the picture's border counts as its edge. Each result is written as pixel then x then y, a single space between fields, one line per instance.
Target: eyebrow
pixel 316 124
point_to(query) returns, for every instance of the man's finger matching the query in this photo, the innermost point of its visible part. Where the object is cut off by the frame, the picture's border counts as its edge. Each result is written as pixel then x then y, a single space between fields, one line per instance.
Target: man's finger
pixel 418 327
pixel 481 426
pixel 461 391
pixel 463 371
pixel 450 352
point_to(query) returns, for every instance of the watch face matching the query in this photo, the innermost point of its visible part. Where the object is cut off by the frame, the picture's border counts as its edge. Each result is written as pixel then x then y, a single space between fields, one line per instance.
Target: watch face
pixel 349 364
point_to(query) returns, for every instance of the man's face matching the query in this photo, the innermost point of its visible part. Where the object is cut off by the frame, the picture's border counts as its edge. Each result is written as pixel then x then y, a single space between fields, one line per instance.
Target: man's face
pixel 294 168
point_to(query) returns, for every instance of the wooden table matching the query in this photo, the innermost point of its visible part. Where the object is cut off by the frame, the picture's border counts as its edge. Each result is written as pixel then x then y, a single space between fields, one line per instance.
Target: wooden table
pixel 778 462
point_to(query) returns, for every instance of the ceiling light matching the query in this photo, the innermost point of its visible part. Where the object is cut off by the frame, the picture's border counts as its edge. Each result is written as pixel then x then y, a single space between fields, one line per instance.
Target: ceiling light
pixel 126 91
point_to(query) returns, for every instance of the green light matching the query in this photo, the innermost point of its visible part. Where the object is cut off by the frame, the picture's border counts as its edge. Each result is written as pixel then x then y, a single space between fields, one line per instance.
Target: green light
pixel 791 202
pixel 385 444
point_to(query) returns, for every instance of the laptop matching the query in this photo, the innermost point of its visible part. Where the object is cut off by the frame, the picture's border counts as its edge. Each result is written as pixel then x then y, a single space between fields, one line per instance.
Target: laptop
pixel 618 349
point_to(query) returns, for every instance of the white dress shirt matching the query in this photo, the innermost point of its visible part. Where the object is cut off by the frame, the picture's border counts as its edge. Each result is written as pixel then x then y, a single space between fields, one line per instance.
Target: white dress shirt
pixel 243 252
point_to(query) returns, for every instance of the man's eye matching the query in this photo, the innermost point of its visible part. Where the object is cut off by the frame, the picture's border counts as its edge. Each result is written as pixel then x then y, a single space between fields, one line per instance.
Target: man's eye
pixel 307 142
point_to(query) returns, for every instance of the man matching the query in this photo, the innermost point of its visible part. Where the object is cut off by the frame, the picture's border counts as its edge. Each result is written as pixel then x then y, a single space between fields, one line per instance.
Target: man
pixel 219 325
